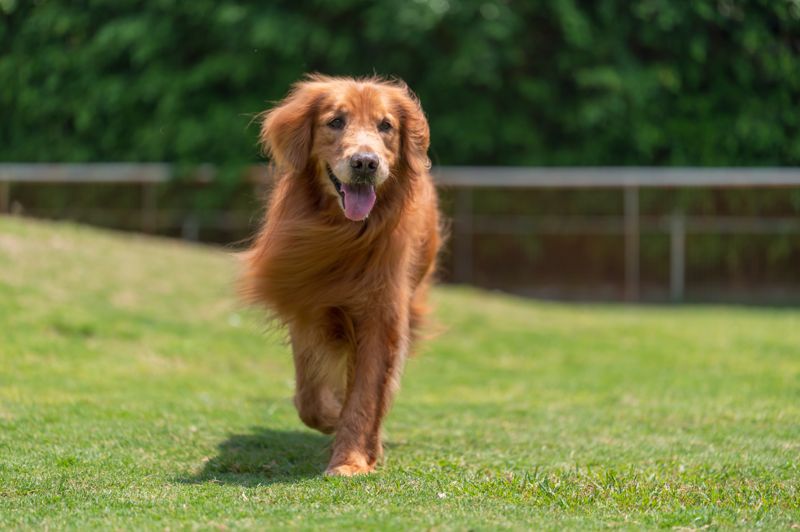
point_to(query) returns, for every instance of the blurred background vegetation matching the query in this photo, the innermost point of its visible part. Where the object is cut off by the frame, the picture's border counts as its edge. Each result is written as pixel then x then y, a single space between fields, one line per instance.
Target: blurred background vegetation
pixel 562 82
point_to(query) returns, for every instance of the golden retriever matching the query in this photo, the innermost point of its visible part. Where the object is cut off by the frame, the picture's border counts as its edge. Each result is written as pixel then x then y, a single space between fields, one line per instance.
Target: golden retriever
pixel 347 250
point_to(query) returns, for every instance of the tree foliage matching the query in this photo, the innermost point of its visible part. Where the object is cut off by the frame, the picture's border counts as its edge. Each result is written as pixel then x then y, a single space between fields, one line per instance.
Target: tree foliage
pixel 711 82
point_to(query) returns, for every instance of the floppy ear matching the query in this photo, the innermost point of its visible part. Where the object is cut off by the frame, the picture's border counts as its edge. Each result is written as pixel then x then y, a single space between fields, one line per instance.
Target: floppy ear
pixel 415 135
pixel 287 130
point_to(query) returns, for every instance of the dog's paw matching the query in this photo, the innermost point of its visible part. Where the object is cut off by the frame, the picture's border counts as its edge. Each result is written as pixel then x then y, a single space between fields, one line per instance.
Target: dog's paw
pixel 349 464
pixel 348 470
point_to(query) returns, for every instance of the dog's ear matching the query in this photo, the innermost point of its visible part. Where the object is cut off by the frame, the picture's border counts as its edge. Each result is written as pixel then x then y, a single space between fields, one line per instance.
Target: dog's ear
pixel 415 134
pixel 287 129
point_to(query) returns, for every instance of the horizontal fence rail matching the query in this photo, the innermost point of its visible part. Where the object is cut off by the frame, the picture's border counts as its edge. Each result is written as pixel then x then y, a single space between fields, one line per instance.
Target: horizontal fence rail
pixel 613 177
pixel 110 173
pixel 466 224
pixel 615 225
pixel 454 176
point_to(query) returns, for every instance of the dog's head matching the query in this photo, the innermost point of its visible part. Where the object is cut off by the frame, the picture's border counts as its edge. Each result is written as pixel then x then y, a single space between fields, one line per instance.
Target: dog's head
pixel 350 136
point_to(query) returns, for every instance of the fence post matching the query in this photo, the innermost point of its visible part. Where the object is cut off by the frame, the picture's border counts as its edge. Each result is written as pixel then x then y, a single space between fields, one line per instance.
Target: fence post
pixel 190 228
pixel 462 241
pixel 149 212
pixel 5 196
pixel 631 243
pixel 677 256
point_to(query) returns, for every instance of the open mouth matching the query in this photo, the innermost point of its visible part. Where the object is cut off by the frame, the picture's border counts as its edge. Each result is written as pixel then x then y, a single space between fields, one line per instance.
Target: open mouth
pixel 357 199
pixel 335 181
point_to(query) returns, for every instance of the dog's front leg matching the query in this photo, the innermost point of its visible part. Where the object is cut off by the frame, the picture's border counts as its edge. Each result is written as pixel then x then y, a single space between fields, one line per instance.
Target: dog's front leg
pixel 319 379
pixel 382 343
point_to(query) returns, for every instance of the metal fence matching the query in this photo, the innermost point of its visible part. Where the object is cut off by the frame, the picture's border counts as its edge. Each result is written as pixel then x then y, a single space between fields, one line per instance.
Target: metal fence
pixel 629 180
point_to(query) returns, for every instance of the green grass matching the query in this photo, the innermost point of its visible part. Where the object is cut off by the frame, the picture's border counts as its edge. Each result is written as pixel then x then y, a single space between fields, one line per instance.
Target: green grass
pixel 136 393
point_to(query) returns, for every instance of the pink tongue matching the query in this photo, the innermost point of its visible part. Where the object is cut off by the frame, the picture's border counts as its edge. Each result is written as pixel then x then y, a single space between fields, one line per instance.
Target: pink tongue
pixel 358 200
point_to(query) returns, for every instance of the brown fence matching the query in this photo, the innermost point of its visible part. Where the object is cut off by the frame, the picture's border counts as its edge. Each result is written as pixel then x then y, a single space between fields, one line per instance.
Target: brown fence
pixel 464 180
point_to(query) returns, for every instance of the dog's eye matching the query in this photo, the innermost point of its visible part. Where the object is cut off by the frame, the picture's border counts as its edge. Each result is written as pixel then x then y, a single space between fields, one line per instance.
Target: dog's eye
pixel 385 125
pixel 336 123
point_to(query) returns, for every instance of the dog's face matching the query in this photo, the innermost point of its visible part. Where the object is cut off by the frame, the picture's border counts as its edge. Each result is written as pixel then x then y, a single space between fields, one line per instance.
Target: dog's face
pixel 357 143
pixel 350 136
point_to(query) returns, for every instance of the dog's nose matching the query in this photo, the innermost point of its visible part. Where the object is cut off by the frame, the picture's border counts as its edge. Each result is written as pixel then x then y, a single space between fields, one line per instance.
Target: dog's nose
pixel 364 164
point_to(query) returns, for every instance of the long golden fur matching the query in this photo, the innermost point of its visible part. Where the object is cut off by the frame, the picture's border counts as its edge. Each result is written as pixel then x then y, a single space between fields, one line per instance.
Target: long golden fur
pixel 347 250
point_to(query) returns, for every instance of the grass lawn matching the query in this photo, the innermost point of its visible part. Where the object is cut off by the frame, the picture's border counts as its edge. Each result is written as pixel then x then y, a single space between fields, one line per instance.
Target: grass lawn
pixel 136 393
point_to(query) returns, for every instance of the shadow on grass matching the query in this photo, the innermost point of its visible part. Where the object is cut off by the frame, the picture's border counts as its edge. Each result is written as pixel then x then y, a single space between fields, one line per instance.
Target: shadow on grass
pixel 265 456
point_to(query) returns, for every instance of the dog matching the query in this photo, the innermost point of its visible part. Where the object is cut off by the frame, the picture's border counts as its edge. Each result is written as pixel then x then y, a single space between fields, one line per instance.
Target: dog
pixel 347 251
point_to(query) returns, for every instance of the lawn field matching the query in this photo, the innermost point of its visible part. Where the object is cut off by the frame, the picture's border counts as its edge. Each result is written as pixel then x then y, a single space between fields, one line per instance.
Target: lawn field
pixel 136 393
